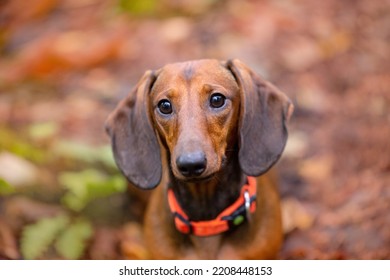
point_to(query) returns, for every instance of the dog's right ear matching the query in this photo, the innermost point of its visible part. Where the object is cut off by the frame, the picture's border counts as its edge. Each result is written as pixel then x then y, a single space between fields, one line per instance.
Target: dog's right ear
pixel 133 139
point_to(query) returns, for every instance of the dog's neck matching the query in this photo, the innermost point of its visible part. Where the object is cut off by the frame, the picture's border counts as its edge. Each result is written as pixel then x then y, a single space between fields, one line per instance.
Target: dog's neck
pixel 205 200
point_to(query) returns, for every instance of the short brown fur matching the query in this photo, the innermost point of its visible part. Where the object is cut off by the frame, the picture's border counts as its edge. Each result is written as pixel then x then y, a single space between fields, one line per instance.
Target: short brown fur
pixel 246 136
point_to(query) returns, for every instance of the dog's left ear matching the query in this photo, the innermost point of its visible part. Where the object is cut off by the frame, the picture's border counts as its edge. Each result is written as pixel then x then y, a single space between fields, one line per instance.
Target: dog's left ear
pixel 133 139
pixel 263 115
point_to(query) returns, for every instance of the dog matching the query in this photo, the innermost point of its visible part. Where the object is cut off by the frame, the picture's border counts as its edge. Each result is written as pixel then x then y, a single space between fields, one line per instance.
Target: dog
pixel 204 133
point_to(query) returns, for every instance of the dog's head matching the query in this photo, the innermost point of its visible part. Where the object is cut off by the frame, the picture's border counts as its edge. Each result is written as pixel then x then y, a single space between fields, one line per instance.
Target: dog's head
pixel 199 110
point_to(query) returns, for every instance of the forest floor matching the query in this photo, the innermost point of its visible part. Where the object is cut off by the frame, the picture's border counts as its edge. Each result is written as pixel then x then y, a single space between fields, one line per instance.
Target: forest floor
pixel 65 64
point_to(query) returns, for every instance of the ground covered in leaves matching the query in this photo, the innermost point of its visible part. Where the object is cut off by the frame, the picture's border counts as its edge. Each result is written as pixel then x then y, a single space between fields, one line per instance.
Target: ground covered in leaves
pixel 65 64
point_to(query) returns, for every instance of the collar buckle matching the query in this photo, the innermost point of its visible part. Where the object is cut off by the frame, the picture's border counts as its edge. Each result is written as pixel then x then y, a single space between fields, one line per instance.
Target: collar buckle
pixel 247 204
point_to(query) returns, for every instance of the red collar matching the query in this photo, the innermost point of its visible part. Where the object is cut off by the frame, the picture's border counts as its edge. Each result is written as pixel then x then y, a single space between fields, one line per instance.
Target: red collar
pixel 231 217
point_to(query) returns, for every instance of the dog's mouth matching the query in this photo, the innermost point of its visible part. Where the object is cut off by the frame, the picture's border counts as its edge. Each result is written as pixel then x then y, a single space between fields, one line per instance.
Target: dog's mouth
pixel 196 179
pixel 199 179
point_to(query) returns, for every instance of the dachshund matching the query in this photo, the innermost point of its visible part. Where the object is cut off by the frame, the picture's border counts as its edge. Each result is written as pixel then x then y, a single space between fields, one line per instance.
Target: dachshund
pixel 203 134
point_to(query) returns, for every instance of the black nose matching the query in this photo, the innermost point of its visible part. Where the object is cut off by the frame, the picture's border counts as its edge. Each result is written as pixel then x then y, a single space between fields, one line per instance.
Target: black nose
pixel 191 164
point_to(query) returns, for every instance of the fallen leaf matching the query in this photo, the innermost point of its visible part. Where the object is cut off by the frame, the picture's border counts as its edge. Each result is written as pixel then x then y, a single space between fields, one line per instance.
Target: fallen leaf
pixel 21 210
pixel 37 238
pixel 17 171
pixel 297 144
pixel 104 245
pixel 72 242
pixel 16 9
pixel 301 53
pixel 317 168
pixel 8 243
pixel 176 29
pixel 336 43
pixel 295 215
pixel 132 243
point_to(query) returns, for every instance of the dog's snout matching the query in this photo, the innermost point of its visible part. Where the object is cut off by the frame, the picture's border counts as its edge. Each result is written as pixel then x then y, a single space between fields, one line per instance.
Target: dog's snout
pixel 191 164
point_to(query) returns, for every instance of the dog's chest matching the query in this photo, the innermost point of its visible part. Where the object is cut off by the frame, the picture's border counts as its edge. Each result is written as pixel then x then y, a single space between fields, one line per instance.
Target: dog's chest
pixel 206 247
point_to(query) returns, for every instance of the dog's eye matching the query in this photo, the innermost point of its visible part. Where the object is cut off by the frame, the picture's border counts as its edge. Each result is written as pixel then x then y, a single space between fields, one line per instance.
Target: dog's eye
pixel 217 100
pixel 165 107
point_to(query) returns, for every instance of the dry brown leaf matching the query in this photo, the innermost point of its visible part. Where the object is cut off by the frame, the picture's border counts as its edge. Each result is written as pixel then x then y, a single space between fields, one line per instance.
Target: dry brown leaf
pixel 58 52
pixel 301 53
pixel 132 244
pixel 17 171
pixel 22 210
pixel 105 244
pixel 176 29
pixel 317 168
pixel 337 43
pixel 8 244
pixel 295 215
pixel 297 144
pixel 16 9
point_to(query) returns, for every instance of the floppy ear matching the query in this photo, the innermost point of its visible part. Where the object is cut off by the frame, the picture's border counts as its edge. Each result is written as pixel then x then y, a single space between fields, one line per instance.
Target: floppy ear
pixel 263 115
pixel 133 139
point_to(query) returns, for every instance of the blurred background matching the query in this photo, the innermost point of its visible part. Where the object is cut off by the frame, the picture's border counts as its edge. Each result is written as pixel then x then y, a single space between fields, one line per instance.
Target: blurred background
pixel 64 65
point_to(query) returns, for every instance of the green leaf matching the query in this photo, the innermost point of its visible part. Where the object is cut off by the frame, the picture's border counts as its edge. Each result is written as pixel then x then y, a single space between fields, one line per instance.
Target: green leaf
pixel 145 7
pixel 105 156
pixel 72 242
pixel 85 153
pixel 75 150
pixel 43 130
pixel 5 187
pixel 37 238
pixel 17 144
pixel 85 186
